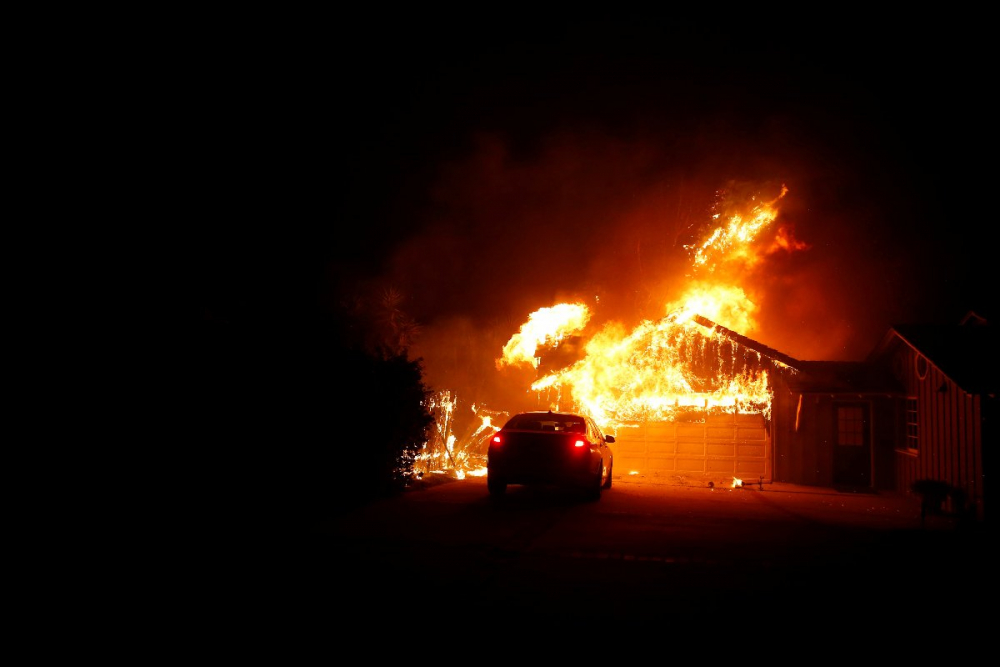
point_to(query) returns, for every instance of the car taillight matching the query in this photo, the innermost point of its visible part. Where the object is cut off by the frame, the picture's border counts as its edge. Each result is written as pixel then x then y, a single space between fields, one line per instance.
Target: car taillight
pixel 580 443
pixel 496 440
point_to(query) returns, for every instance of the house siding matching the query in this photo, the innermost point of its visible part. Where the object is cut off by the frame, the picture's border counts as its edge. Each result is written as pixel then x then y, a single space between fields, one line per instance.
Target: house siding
pixel 949 433
pixel 805 436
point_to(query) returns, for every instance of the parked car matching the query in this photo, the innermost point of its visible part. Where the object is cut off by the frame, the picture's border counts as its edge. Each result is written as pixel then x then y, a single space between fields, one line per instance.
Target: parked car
pixel 550 448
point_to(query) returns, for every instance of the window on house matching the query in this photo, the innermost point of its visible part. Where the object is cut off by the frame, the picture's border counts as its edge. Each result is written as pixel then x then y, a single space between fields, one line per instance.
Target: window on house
pixel 850 426
pixel 912 424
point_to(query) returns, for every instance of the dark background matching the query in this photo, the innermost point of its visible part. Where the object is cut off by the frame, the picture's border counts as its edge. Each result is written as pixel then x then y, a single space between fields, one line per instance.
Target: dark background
pixel 417 148
pixel 322 160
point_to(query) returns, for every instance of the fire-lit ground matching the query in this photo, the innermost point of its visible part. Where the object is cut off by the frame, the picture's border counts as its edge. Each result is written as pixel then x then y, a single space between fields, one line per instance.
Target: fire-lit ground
pixel 644 552
pixel 821 504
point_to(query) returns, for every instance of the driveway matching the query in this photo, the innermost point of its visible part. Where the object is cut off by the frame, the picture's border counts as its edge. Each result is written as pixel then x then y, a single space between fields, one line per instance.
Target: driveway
pixel 661 549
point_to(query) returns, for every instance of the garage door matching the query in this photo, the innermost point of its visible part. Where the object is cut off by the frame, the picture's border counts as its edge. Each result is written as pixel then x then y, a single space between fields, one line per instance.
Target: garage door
pixel 718 449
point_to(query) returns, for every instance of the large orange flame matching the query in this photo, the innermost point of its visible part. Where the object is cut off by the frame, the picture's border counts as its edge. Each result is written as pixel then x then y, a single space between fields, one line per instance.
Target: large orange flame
pixel 657 371
pixel 727 305
pixel 732 241
pixel 545 327
pixel 677 364
pixel 684 365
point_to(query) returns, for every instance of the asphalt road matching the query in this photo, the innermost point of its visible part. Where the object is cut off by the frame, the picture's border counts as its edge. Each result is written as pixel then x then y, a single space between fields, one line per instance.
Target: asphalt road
pixel 643 552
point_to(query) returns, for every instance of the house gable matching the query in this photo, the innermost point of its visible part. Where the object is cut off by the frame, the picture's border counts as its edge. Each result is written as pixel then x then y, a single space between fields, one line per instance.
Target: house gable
pixel 949 376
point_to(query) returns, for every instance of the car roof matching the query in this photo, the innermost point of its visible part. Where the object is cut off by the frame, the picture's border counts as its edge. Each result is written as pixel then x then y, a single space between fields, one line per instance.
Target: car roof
pixel 550 413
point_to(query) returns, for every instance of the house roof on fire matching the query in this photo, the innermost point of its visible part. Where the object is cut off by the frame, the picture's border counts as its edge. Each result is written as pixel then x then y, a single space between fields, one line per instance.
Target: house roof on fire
pixel 841 377
pixel 967 353
pixel 748 343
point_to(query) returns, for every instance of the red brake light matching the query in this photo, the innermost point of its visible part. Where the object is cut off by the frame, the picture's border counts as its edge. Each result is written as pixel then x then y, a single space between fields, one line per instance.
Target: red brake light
pixel 496 439
pixel 580 443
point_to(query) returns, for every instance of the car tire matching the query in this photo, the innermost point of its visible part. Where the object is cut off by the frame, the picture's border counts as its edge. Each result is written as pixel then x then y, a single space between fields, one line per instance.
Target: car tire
pixel 496 487
pixel 593 491
pixel 611 468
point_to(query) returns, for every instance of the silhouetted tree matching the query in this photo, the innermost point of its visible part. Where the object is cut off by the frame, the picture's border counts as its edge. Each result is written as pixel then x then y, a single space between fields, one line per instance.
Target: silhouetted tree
pixel 352 418
pixel 294 416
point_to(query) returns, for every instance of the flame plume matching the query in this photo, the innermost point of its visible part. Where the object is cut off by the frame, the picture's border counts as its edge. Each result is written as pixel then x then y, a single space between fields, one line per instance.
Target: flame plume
pixel 546 327
pixel 681 364
pixel 659 371
pixel 690 363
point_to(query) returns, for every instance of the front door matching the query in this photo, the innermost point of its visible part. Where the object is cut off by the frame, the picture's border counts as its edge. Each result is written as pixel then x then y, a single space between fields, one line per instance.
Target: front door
pixel 852 457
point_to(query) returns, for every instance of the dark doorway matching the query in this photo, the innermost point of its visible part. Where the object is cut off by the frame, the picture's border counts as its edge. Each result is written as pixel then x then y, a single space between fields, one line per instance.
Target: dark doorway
pixel 852 457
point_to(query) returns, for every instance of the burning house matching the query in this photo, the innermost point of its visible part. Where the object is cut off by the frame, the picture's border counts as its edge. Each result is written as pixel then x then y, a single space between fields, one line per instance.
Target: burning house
pixel 687 399
pixel 692 402
pixel 691 399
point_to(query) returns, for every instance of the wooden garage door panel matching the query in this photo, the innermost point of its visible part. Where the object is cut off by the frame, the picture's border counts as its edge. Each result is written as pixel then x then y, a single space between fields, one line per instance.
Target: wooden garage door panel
pixel 751 469
pixel 755 421
pixel 720 448
pixel 691 465
pixel 720 466
pixel 755 451
pixel 691 448
pixel 720 433
pixel 625 448
pixel 662 463
pixel 659 430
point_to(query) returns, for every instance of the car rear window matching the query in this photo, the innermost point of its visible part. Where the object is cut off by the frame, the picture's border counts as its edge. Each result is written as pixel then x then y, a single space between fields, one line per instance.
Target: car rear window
pixel 529 423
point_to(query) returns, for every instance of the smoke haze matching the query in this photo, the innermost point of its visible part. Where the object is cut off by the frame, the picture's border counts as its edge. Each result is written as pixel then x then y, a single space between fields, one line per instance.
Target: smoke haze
pixel 486 175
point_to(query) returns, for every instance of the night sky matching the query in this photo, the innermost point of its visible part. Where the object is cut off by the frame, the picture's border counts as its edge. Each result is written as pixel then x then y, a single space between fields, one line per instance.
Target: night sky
pixel 486 167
